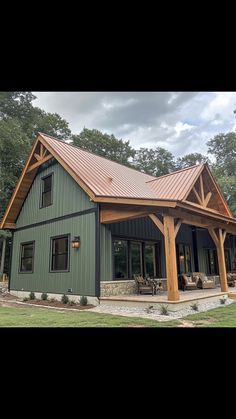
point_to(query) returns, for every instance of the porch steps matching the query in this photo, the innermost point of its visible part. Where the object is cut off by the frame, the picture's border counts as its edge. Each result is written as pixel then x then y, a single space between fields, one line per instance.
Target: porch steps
pixel 232 295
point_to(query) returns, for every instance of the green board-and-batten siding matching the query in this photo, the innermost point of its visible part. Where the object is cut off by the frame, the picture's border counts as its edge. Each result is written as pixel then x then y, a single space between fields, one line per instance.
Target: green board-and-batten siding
pixel 68 198
pixel 81 276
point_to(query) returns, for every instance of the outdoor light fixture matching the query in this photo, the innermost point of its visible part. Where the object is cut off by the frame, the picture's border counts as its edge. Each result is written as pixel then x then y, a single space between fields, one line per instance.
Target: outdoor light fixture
pixel 76 242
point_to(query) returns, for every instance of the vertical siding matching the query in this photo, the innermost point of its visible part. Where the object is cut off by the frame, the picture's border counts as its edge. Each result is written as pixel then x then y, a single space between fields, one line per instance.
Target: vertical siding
pixel 185 236
pixel 68 197
pixel 106 253
pixel 204 241
pixel 81 277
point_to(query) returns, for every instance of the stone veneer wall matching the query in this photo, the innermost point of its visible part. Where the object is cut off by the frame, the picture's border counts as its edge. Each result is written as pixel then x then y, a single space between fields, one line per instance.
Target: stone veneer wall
pixel 126 287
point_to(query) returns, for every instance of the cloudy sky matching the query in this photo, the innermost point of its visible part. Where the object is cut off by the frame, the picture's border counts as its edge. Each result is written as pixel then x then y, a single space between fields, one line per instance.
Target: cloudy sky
pixel 181 122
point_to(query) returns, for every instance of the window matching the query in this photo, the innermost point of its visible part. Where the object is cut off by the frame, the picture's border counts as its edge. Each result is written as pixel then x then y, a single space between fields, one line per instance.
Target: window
pixel 149 258
pixel 27 257
pixel 46 198
pixel 184 258
pixel 211 261
pixel 136 258
pixel 120 259
pixel 60 254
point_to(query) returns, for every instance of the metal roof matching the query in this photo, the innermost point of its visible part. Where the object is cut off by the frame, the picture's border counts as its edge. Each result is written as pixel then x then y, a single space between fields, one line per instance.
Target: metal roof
pixel 175 185
pixel 110 179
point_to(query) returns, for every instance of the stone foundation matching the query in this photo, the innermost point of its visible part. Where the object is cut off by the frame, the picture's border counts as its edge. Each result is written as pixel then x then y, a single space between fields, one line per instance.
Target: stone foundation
pixel 76 298
pixel 118 288
pixel 127 287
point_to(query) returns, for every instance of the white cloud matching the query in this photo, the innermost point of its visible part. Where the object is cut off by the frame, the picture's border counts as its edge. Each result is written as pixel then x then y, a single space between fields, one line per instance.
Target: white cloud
pixel 182 122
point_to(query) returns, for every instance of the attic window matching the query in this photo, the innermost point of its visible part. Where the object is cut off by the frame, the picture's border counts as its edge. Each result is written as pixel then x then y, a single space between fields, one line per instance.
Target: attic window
pixel 46 196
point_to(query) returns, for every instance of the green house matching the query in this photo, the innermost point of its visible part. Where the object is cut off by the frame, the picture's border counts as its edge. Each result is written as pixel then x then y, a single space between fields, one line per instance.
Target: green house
pixel 85 225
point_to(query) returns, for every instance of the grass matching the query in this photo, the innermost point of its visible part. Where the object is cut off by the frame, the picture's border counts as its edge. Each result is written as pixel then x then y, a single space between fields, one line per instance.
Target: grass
pixel 218 317
pixel 38 317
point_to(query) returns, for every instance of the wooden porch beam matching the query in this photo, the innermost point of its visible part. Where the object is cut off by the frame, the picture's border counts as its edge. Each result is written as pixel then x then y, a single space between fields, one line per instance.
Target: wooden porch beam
pixel 201 188
pixel 221 262
pixel 112 215
pixel 170 255
pixel 37 156
pixel 207 199
pixel 39 163
pixel 41 150
pixel 224 232
pixel 157 222
pixel 197 196
pixel 177 227
pixel 214 236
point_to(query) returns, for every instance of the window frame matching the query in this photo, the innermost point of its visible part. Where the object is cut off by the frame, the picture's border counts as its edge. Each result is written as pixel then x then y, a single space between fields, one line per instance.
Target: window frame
pixel 20 257
pixel 51 253
pixel 42 192
pixel 184 254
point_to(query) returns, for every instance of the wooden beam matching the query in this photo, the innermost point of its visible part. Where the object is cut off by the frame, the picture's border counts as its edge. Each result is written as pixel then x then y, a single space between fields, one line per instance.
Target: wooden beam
pixel 41 150
pixel 112 215
pixel 221 263
pixel 37 156
pixel 39 163
pixel 135 201
pixel 214 236
pixel 157 222
pixel 197 196
pixel 224 232
pixel 10 226
pixel 201 188
pixel 207 199
pixel 219 191
pixel 177 227
pixel 170 255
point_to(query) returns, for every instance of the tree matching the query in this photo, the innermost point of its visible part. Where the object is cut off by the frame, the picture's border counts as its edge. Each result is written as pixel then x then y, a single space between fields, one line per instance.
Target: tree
pixel 191 160
pixel 104 145
pixel 156 162
pixel 223 148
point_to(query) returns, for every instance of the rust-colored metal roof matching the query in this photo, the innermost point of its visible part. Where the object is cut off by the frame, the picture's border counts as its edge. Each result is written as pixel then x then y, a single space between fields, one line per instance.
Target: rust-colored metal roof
pixel 177 185
pixel 104 177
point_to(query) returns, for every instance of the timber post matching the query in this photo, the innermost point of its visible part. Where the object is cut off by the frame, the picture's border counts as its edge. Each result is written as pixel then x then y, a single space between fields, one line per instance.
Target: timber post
pixel 170 254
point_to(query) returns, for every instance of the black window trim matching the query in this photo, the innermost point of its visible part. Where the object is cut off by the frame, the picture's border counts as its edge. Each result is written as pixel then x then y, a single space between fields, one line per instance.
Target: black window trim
pixel 41 190
pixel 20 258
pixel 67 235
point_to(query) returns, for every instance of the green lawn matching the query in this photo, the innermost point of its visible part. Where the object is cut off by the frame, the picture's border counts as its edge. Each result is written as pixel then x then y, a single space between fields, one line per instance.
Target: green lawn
pixel 38 317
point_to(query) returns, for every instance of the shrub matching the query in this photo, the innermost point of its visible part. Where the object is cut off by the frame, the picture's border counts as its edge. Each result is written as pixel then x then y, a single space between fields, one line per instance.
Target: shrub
pixel 44 296
pixel 83 301
pixel 164 310
pixel 222 300
pixel 64 299
pixel 32 296
pixel 194 306
pixel 25 299
pixel 72 302
pixel 52 300
pixel 149 309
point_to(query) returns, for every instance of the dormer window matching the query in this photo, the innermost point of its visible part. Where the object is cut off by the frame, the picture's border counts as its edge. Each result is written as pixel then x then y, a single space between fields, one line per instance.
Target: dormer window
pixel 46 198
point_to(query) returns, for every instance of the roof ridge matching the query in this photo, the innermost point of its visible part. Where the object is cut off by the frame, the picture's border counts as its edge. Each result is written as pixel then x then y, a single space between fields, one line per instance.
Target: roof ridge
pixel 97 155
pixel 177 171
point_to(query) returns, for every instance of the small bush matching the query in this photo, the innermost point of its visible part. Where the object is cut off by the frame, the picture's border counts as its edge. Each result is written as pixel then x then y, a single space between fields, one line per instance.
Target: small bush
pixel 52 300
pixel 44 296
pixel 222 300
pixel 25 299
pixel 194 306
pixel 64 299
pixel 83 301
pixel 149 309
pixel 72 302
pixel 32 296
pixel 164 310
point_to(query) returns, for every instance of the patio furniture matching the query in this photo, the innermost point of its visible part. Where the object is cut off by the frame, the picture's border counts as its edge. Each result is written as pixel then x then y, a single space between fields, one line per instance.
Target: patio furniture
pixel 189 283
pixel 144 286
pixel 231 279
pixel 203 281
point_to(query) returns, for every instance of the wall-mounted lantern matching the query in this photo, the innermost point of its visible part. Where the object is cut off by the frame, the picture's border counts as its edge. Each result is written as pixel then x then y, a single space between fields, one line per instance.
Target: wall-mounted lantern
pixel 76 242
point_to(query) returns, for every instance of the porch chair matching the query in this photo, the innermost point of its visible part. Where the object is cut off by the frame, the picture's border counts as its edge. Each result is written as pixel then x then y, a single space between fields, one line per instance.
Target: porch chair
pixel 231 279
pixel 144 286
pixel 203 281
pixel 189 283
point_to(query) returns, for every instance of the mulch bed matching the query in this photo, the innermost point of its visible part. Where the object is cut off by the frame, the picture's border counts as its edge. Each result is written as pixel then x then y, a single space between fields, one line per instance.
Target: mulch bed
pixel 59 304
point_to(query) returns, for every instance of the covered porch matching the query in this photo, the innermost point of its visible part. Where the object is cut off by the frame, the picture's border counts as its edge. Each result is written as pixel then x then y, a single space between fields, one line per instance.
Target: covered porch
pixel 202 208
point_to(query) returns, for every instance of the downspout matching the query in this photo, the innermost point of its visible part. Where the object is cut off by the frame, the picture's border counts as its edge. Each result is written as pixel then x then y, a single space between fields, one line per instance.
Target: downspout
pixel 97 252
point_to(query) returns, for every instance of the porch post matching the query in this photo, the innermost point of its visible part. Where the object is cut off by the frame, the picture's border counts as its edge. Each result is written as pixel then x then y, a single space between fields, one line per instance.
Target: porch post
pixel 221 261
pixel 170 253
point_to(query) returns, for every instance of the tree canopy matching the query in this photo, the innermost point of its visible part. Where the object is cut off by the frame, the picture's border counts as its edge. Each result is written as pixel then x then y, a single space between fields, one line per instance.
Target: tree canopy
pixel 156 162
pixel 191 160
